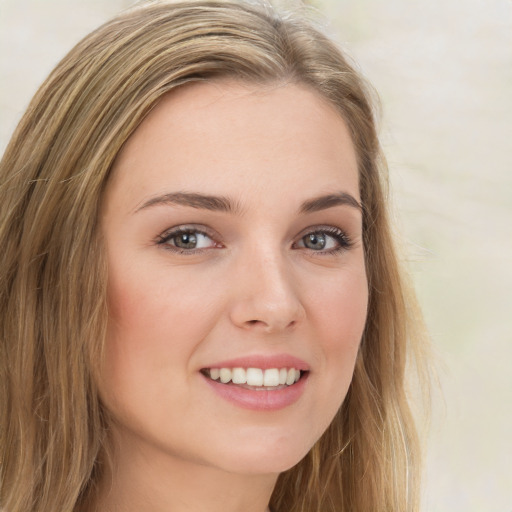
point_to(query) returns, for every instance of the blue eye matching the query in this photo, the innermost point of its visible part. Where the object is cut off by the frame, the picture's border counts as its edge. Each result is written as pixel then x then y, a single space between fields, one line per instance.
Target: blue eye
pixel 327 240
pixel 186 239
pixel 316 241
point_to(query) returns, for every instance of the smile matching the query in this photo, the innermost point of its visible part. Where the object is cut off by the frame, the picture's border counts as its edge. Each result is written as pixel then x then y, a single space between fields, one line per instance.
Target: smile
pixel 255 378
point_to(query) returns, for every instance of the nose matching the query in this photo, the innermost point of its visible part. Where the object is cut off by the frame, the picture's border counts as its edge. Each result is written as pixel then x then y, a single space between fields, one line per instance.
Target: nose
pixel 266 298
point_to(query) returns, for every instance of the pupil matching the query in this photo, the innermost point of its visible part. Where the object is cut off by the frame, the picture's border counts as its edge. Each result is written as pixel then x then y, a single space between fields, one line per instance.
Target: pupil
pixel 315 241
pixel 186 241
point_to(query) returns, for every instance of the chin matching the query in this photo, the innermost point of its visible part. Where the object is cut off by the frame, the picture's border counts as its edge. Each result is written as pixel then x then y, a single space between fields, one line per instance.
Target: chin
pixel 265 458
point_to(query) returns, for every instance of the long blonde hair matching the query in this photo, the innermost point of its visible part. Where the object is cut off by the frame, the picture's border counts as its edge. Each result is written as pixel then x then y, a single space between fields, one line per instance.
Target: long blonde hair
pixel 53 446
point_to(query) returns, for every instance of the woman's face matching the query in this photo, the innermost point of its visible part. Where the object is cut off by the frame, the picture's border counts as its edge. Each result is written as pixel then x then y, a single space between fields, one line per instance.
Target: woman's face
pixel 233 234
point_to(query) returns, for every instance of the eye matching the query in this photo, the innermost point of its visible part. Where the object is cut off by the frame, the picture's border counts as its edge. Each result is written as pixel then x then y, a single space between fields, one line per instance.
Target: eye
pixel 325 240
pixel 186 239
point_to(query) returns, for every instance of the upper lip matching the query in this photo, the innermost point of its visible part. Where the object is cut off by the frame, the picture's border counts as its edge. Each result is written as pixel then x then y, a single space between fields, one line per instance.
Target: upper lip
pixel 264 362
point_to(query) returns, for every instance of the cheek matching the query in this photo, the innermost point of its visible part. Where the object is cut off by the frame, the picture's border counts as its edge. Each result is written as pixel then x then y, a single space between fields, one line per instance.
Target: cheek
pixel 337 310
pixel 138 341
pixel 154 323
pixel 152 307
pixel 342 307
pixel 340 317
pixel 136 328
pixel 153 331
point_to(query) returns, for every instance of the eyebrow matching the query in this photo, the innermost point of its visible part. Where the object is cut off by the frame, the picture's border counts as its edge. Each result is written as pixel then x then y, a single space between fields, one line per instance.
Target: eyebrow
pixel 224 204
pixel 193 200
pixel 329 201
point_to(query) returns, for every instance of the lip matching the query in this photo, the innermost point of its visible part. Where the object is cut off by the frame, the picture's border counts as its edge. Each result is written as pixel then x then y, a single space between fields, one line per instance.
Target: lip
pixel 263 362
pixel 259 400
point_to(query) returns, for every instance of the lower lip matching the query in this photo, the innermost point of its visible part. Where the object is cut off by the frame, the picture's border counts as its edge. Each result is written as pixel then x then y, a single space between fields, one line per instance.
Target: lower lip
pixel 257 400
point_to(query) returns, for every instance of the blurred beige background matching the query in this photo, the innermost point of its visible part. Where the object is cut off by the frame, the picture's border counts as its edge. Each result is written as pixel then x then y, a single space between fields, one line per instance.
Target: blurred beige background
pixel 443 69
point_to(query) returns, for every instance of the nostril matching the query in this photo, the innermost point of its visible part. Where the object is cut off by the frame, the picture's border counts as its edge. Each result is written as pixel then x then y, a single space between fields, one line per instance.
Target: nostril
pixel 258 314
pixel 270 326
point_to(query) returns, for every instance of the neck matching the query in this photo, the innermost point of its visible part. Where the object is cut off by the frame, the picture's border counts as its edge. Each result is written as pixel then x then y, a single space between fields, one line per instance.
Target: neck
pixel 141 480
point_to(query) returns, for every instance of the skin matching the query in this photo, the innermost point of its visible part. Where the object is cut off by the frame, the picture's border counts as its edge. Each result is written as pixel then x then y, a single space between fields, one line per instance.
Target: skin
pixel 252 288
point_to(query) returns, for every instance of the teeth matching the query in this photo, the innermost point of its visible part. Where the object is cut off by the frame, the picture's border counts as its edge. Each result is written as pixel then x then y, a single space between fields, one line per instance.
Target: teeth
pixel 225 375
pixel 271 377
pixel 290 378
pixel 239 376
pixel 256 377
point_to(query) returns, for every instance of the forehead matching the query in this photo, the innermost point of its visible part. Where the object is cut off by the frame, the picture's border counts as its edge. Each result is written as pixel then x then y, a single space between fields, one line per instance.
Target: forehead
pixel 228 137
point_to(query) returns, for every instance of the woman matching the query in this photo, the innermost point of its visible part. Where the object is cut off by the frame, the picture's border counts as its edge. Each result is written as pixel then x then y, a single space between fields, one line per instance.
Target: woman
pixel 201 303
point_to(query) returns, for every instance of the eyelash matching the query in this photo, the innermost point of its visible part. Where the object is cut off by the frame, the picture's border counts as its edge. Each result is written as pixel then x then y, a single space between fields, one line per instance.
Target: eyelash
pixel 167 236
pixel 342 239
